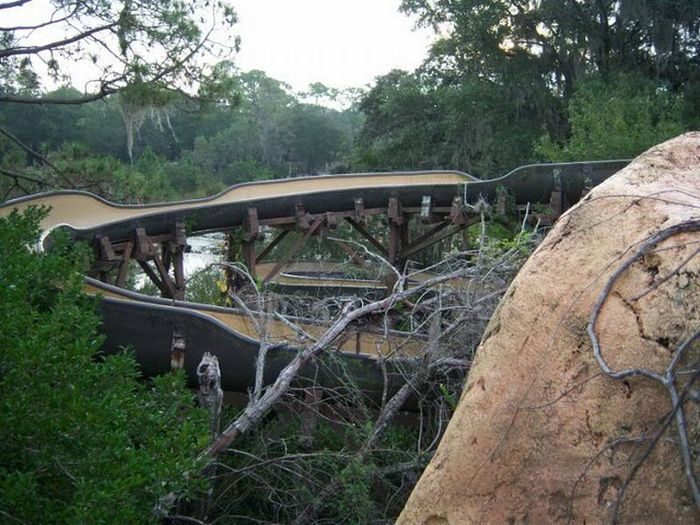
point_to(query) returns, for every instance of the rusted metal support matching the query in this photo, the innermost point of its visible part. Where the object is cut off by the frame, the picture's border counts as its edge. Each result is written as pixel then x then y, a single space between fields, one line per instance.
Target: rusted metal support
pixel 266 251
pixel 294 249
pixel 381 249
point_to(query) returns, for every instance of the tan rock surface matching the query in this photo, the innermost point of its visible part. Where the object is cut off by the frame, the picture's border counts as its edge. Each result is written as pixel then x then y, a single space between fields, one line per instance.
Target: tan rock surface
pixel 529 440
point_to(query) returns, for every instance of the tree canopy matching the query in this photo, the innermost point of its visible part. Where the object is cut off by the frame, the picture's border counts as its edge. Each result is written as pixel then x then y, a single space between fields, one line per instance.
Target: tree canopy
pixel 505 77
pixel 112 44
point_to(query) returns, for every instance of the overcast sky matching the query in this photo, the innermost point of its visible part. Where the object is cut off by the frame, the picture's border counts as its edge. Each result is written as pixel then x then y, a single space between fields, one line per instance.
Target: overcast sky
pixel 341 43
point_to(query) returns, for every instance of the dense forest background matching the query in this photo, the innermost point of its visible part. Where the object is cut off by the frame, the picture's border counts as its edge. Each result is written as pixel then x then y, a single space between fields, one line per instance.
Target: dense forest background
pixel 507 83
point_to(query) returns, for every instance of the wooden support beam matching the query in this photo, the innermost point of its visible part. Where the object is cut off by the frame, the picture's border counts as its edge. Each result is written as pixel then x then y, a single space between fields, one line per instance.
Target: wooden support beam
pixel 331 220
pixel 251 225
pixel 105 249
pixel 180 235
pixel 417 246
pixel 352 254
pixel 427 235
pixel 179 246
pixel 124 265
pixel 271 246
pixel 394 211
pixel 394 242
pixel 167 249
pixel 250 235
pixel 294 249
pixel 359 215
pixel 145 249
pixel 165 277
pixel 382 251
pixel 501 202
pixel 179 273
pixel 301 218
pixel 153 276
pixel 249 256
pixel 457 215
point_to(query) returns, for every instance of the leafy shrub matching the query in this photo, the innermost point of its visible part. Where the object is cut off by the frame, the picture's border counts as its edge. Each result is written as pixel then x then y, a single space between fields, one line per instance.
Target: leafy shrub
pixel 83 439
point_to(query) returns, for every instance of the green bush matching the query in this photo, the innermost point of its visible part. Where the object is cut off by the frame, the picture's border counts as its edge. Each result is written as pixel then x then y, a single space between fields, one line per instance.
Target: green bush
pixel 617 117
pixel 83 439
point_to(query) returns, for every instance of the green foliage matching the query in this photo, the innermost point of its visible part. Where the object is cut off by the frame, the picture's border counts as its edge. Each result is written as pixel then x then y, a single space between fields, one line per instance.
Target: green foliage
pixel 203 287
pixel 448 396
pixel 157 47
pixel 501 74
pixel 355 502
pixel 618 117
pixel 82 438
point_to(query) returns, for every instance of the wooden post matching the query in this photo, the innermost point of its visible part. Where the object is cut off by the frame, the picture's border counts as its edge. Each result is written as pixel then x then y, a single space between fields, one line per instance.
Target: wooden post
pixel 251 234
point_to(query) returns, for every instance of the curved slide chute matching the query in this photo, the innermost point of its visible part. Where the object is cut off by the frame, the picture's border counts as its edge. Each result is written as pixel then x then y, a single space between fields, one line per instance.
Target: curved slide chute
pixel 150 325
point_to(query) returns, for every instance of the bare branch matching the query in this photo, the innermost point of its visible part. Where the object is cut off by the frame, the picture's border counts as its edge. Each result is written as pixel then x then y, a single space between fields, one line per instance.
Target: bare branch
pixel 14 51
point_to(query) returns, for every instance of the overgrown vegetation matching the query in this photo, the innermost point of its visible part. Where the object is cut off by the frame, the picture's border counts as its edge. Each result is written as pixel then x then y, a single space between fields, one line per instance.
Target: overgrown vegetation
pixel 83 438
pixel 320 454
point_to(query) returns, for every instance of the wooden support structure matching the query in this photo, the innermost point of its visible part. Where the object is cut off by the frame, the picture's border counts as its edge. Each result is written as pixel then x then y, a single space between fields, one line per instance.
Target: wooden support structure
pixel 295 249
pixel 266 251
pixel 427 213
pixel 164 251
pixel 417 246
pixel 361 229
pixel 352 254
pixel 359 213
pixel 558 202
pixel 398 229
pixel 124 265
pixel 251 234
pixel 457 215
pixel 162 256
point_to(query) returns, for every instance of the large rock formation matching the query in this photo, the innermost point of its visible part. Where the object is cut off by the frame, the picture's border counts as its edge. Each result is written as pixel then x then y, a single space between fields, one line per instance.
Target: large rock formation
pixel 531 439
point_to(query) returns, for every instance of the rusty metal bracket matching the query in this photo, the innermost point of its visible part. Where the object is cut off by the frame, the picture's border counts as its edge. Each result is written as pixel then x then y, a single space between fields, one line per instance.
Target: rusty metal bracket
pixel 177 351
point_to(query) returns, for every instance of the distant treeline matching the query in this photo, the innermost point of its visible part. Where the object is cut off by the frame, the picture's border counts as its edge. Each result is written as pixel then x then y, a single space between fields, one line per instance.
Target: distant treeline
pixel 507 83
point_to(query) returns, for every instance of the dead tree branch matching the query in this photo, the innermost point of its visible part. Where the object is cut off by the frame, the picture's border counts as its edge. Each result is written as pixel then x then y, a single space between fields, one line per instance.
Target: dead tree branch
pixel 666 379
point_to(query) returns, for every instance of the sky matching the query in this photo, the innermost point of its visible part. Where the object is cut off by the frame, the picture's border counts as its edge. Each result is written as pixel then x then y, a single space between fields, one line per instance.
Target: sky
pixel 340 43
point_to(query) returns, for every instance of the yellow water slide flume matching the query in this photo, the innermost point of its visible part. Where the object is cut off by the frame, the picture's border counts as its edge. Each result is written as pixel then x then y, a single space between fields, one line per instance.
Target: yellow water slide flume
pixel 150 326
